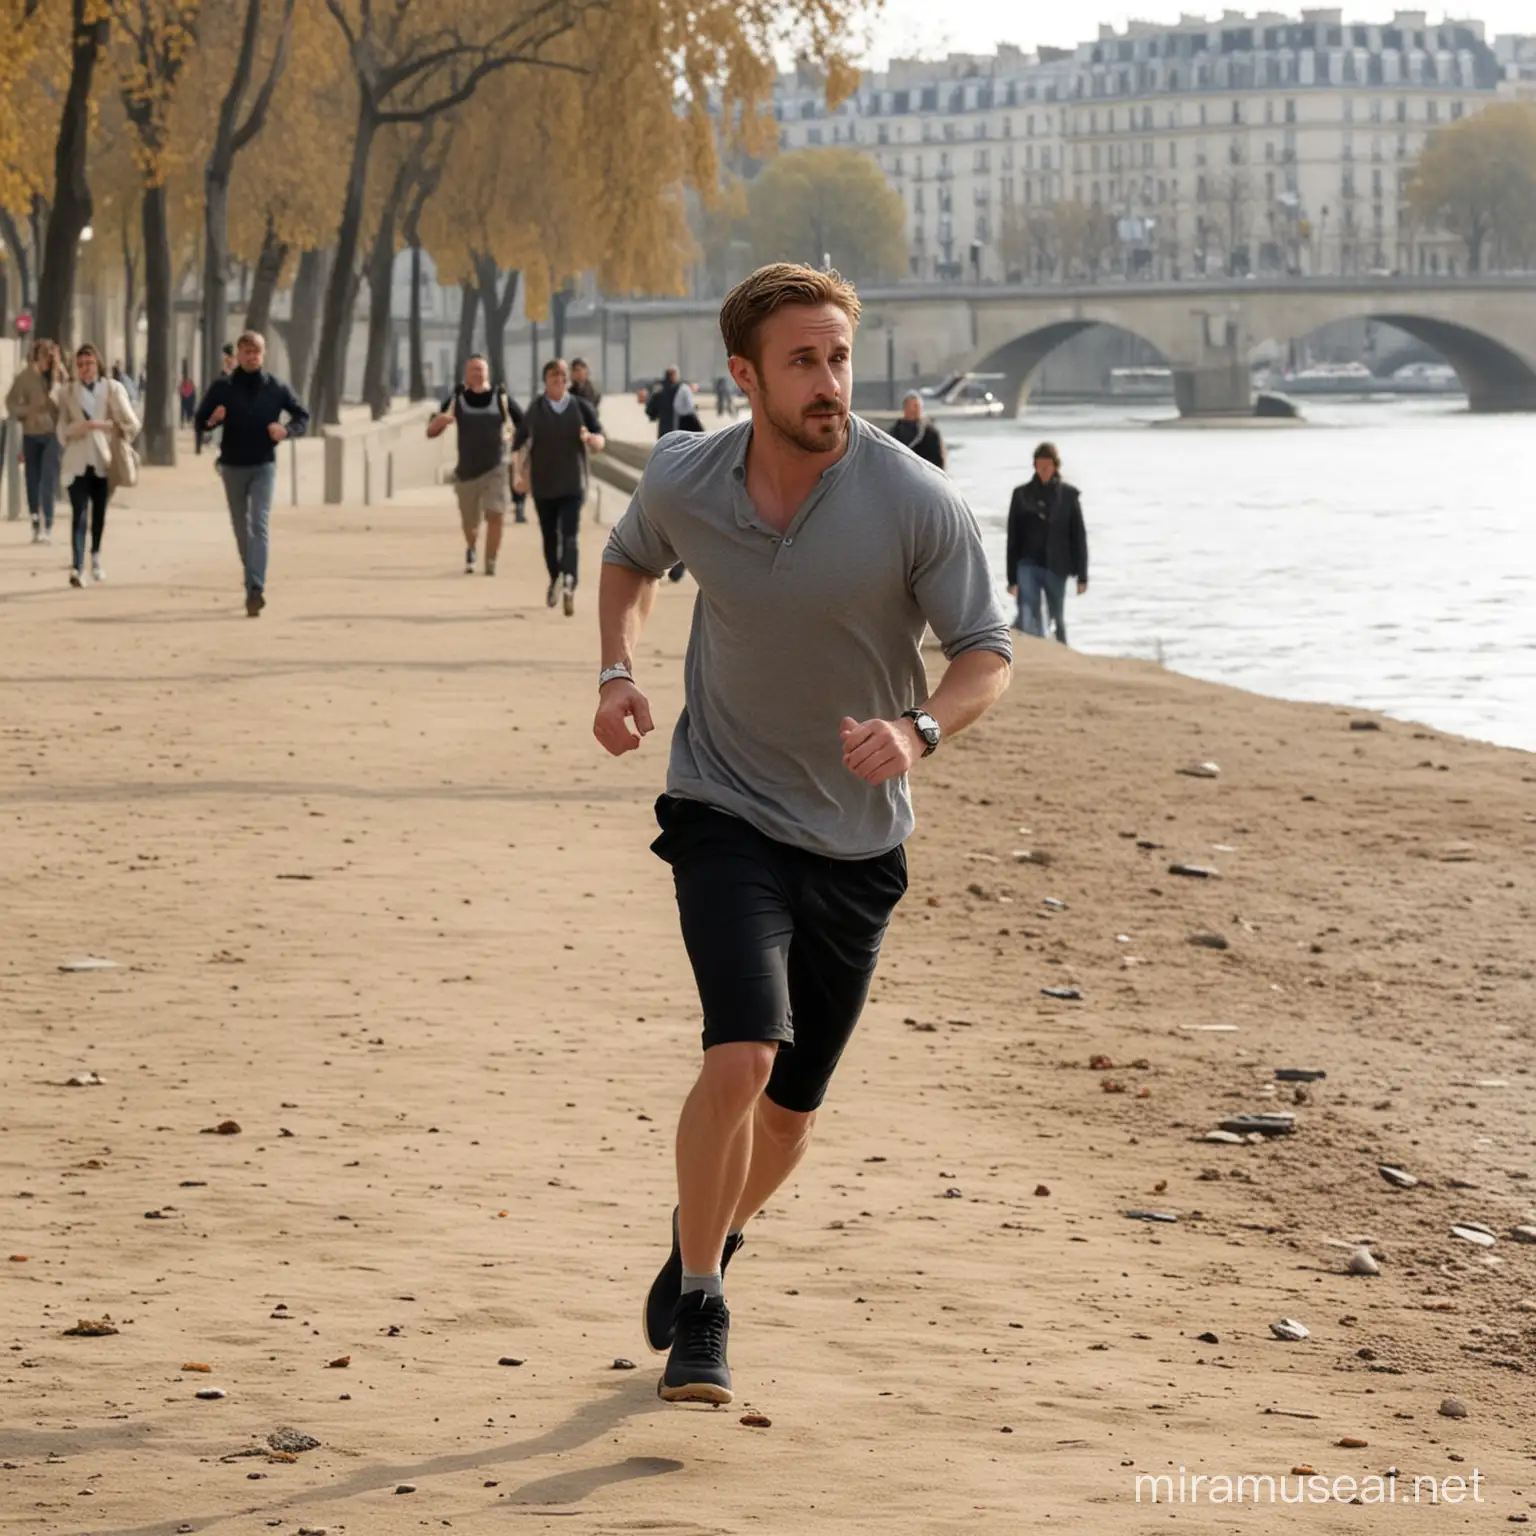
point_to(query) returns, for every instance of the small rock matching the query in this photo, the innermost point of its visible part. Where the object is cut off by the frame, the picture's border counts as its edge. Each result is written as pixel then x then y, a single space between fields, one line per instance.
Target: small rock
pixel 1452 1408
pixel 84 1080
pixel 509 1360
pixel 1054 903
pixel 1471 1232
pixel 1209 941
pixel 1523 1234
pixel 1066 994
pixel 1226 1138
pixel 1207 1338
pixel 91 1328
pixel 211 1394
pixel 89 963
pixel 194 1365
pixel 1201 771
pixel 1290 1330
pixel 1352 1442
pixel 1397 1177
pixel 1279 1123
pixel 952 1194
pixel 1299 1074
pixel 223 1128
pixel 1362 1262
pixel 1042 1189
pixel 621 1364
pixel 405 1488
pixel 1194 871
pixel 757 1421
pixel 292 1441
pixel 1364 725
pixel 340 1363
pixel 1167 1216
pixel 1099 1062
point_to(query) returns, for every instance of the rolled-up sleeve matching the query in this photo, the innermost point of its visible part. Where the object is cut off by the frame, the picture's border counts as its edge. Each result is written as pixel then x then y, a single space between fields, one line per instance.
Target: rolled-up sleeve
pixel 637 541
pixel 953 584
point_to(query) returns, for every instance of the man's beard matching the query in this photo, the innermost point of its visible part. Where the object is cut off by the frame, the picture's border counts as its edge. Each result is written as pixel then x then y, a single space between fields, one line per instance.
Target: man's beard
pixel 817 428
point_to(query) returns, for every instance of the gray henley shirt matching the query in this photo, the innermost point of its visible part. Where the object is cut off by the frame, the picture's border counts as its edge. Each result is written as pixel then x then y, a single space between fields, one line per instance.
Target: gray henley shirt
pixel 793 631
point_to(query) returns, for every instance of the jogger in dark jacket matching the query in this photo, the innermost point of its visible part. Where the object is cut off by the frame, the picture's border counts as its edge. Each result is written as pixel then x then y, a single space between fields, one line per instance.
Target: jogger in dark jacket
pixel 249 404
pixel 1047 545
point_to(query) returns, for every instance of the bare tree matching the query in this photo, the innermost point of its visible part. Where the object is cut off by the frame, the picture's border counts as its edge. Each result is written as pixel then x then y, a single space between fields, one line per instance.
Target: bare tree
pixel 231 135
pixel 496 307
pixel 270 261
pixel 70 208
pixel 408 72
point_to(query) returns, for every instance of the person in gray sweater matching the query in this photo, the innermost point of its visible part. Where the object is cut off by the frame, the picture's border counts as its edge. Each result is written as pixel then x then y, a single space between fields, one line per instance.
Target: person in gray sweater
pixel 557 432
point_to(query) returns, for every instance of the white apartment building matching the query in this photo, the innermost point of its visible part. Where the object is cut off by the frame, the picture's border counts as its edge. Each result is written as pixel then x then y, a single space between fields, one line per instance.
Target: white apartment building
pixel 1264 144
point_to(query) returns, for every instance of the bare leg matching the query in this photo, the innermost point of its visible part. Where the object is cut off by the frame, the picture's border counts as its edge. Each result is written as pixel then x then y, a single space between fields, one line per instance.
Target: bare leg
pixel 714 1147
pixel 492 535
pixel 780 1138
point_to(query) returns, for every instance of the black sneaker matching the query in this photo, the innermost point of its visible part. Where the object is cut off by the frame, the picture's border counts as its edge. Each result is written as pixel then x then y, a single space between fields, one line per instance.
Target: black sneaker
pixel 667 1288
pixel 697 1371
pixel 553 595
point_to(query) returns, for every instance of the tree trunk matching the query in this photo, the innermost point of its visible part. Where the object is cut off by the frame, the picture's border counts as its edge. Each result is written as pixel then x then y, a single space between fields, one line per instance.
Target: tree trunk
pixel 269 273
pixel 559 303
pixel 418 369
pixel 469 308
pixel 338 315
pixel 130 307
pixel 308 286
pixel 381 267
pixel 19 254
pixel 159 386
pixel 215 272
pixel 496 311
pixel 70 211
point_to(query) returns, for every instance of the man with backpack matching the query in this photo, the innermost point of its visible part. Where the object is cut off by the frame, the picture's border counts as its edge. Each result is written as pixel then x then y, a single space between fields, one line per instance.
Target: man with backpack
pixel 484 416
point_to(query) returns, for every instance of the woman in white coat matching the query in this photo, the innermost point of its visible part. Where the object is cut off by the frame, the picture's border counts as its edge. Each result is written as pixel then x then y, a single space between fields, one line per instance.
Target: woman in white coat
pixel 92 410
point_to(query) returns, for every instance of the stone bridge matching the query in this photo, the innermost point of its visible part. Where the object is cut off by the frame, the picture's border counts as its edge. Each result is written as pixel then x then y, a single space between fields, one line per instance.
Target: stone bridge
pixel 1485 328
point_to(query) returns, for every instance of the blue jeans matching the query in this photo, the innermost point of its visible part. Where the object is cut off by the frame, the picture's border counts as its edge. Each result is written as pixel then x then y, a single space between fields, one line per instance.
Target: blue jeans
pixel 248 488
pixel 1035 582
pixel 40 454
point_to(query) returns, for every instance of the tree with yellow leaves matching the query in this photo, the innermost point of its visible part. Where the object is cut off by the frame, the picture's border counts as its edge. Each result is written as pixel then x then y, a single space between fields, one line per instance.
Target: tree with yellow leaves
pixel 1477 179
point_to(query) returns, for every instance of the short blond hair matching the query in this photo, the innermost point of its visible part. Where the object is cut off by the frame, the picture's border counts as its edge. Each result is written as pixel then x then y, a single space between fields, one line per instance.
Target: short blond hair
pixel 251 339
pixel 770 289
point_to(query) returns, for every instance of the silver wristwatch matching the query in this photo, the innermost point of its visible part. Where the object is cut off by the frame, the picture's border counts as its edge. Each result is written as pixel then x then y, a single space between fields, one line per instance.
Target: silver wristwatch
pixel 611 674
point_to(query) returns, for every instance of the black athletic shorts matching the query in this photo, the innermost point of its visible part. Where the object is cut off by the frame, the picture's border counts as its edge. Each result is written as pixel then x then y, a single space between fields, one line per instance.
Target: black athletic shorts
pixel 783 942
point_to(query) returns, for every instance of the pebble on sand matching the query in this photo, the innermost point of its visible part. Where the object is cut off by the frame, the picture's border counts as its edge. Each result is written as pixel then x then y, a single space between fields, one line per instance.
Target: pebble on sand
pixel 1290 1330
pixel 211 1394
pixel 1042 1190
pixel 406 1488
pixel 91 1328
pixel 757 1421
pixel 1351 1442
pixel 1209 941
pixel 509 1360
pixel 289 1441
pixel 1363 1262
pixel 223 1128
pixel 1523 1234
pixel 1452 1408
pixel 1471 1232
pixel 1195 871
pixel 621 1364
pixel 1201 771
pixel 340 1363
pixel 1066 994
pixel 1397 1177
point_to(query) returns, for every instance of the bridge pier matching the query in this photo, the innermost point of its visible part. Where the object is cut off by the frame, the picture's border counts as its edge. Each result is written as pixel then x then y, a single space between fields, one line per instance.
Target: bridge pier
pixel 1214 389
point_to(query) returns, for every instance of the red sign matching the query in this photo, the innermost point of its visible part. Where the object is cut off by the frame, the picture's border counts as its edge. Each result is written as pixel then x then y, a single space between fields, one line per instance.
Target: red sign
pixel 23 323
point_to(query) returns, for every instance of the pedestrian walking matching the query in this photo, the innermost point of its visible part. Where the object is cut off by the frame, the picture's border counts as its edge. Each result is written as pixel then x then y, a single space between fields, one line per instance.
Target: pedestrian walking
pixel 661 407
pixel 186 392
pixel 556 434
pixel 686 412
pixel 97 423
pixel 1047 545
pixel 581 383
pixel 33 401
pixel 725 397
pixel 822 549
pixel 916 432
pixel 226 367
pixel 486 417
pixel 248 405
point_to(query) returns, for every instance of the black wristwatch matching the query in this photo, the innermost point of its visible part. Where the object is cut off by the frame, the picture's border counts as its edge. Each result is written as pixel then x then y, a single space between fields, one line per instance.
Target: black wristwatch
pixel 927 727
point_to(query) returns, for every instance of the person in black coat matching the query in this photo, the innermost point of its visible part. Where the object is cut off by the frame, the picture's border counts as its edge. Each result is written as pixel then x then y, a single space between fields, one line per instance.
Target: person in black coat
pixel 1047 545
pixel 916 432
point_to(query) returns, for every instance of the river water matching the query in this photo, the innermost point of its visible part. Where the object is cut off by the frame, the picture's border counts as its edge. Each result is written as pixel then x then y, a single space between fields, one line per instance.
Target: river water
pixel 1382 555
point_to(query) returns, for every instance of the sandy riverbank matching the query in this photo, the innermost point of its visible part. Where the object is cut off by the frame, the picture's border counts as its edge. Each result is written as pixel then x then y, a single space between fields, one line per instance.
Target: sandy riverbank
pixel 367 880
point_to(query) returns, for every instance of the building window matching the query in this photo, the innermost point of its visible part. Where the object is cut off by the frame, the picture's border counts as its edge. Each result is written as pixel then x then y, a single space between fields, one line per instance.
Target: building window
pixel 1376 109
pixel 981 160
pixel 1029 190
pixel 1237 111
pixel 1094 158
pixel 1029 125
pixel 1202 114
pixel 1173 152
pixel 1269 149
pixel 882 134
pixel 1402 110
pixel 1029 157
pixel 1290 111
pixel 813 136
pixel 1434 111
pixel 949 132
pixel 1269 111
pixel 1349 109
pixel 1456 109
pixel 1008 127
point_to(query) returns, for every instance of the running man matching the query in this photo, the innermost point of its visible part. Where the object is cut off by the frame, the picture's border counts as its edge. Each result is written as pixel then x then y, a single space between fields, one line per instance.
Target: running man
pixel 558 431
pixel 484 416
pixel 821 550
pixel 249 404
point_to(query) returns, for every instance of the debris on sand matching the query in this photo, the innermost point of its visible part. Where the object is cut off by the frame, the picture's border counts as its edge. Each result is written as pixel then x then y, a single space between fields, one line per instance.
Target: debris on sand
pixel 1201 771
pixel 1290 1330
pixel 89 1328
pixel 1397 1177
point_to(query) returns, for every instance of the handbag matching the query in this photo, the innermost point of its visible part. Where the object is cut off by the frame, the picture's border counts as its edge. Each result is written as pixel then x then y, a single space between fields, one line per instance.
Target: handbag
pixel 122 461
